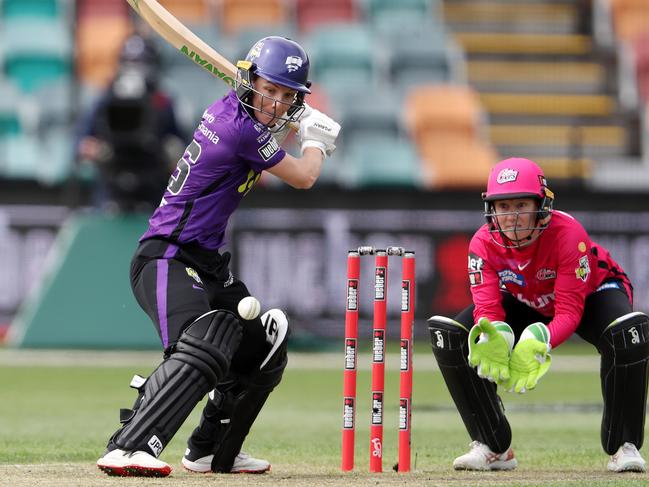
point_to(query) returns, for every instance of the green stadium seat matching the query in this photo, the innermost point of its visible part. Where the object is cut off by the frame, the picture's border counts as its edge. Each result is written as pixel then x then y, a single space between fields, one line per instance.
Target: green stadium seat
pixel 373 113
pixel 376 10
pixel 371 161
pixel 342 57
pixel 36 52
pixel 244 38
pixel 22 152
pixel 56 166
pixel 30 8
pixel 9 116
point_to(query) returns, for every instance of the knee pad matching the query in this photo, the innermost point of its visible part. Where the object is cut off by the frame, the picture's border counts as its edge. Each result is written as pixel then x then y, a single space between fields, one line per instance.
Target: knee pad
pixel 197 362
pixel 236 402
pixel 624 347
pixel 476 400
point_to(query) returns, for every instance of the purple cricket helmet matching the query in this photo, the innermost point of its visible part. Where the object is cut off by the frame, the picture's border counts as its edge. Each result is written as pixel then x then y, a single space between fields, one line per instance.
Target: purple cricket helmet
pixel 282 62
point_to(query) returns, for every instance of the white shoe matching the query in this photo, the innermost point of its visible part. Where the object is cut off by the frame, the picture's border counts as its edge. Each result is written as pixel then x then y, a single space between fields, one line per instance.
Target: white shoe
pixel 627 459
pixel 133 464
pixel 243 463
pixel 480 457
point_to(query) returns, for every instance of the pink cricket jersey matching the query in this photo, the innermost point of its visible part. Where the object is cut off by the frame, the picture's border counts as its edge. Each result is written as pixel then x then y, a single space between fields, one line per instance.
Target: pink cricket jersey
pixel 553 274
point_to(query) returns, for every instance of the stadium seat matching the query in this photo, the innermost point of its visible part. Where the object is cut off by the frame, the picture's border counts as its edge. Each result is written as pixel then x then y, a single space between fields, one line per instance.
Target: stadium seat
pixel 208 32
pixel 418 50
pixel 376 9
pixel 99 40
pixel 342 57
pixel 246 37
pixel 238 14
pixel 36 52
pixel 56 162
pixel 630 18
pixel 30 8
pixel 379 162
pixel 194 89
pixel 431 110
pixel 193 11
pixel 456 162
pixel 9 114
pixel 312 13
pixel 23 154
pixel 55 102
pixel 373 113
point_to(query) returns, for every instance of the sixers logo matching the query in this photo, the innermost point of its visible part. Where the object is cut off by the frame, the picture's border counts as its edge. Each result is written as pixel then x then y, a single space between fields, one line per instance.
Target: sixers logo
pixel 507 176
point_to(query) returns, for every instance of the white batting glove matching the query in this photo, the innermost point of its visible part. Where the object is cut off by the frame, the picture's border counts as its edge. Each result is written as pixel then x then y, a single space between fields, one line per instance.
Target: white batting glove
pixel 281 134
pixel 318 130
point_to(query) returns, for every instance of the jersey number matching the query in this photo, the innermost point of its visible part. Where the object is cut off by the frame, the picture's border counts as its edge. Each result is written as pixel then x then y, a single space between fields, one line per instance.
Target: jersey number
pixel 180 175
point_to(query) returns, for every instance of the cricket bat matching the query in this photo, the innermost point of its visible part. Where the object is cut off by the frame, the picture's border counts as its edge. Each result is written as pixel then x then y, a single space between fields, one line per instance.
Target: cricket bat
pixel 183 39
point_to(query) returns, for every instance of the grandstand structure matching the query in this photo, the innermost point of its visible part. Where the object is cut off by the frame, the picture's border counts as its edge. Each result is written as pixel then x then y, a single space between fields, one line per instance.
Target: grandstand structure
pixel 430 93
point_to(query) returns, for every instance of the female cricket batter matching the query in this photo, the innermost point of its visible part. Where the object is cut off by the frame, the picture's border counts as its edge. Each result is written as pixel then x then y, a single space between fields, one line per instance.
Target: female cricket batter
pixel 537 270
pixel 184 284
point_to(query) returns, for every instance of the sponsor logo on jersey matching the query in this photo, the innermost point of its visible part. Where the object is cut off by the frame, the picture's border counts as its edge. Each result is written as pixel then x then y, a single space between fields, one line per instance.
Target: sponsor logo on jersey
pixel 507 275
pixel 539 302
pixel 583 269
pixel 475 263
pixel 475 278
pixel 507 176
pixel 269 149
pixel 208 133
pixel 545 274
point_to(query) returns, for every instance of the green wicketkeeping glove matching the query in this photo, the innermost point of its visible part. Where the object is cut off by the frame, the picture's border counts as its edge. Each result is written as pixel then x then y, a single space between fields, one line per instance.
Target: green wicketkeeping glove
pixel 530 359
pixel 490 354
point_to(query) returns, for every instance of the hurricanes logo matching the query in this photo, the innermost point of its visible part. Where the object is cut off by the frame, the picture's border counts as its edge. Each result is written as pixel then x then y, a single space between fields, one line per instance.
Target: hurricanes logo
pixel 293 63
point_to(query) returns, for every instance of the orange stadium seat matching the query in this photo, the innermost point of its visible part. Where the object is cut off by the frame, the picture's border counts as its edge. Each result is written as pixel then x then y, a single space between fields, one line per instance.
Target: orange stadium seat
pixel 431 110
pixel 99 40
pixel 238 14
pixel 188 10
pixel 630 18
pixel 456 162
pixel 312 13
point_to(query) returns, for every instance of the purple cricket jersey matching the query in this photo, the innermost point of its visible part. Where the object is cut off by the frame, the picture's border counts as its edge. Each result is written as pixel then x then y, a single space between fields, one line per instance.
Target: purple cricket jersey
pixel 221 164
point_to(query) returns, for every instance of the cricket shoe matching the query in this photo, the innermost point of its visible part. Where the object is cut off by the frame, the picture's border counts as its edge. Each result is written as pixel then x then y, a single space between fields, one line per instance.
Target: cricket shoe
pixel 133 464
pixel 243 463
pixel 480 457
pixel 627 459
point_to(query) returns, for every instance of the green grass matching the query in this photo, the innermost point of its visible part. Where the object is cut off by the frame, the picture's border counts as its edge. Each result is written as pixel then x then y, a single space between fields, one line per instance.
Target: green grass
pixel 65 415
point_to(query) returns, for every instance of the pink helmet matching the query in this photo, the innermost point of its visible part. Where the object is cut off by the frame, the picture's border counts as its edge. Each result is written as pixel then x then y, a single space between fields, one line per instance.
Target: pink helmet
pixel 515 178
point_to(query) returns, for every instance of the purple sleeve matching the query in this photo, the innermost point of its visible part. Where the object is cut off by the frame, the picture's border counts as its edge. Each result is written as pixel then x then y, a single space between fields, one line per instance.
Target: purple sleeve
pixel 259 149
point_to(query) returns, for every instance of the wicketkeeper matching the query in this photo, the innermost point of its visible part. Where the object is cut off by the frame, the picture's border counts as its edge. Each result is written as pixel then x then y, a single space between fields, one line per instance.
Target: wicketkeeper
pixel 536 278
pixel 183 282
